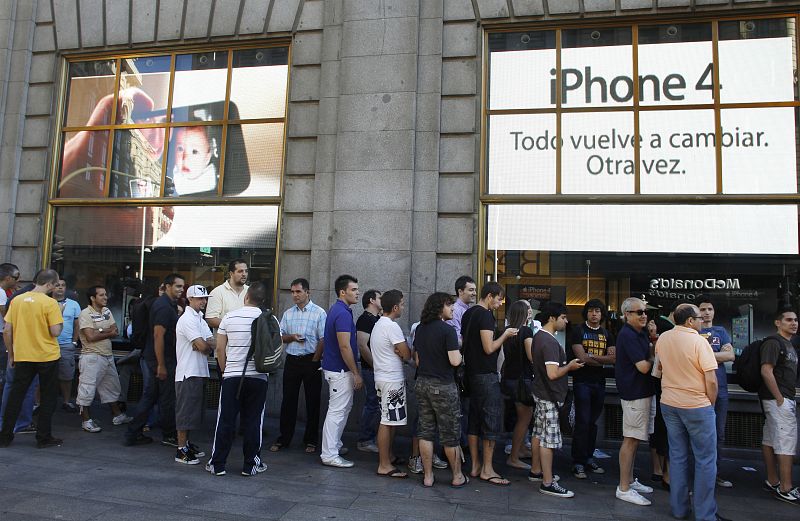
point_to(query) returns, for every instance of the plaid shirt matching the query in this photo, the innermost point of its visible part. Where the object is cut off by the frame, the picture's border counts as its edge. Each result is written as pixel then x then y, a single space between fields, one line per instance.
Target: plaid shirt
pixel 308 322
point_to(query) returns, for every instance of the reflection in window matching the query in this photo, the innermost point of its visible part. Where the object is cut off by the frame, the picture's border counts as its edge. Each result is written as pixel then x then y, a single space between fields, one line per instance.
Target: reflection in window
pixel 144 89
pixel 90 93
pixel 193 167
pixel 253 160
pixel 200 81
pixel 83 164
pixel 258 82
pixel 136 162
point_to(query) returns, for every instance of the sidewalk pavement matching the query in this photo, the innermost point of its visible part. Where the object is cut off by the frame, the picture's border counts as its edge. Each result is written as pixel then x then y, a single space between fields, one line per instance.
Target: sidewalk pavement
pixel 92 476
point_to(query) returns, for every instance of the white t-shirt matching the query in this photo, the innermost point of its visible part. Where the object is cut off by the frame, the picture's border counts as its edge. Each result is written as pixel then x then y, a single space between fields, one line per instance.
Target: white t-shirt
pixel 3 302
pixel 387 365
pixel 236 326
pixel 190 327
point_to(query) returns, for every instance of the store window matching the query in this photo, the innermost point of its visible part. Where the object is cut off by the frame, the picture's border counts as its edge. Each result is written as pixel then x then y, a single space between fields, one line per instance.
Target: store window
pixel 653 160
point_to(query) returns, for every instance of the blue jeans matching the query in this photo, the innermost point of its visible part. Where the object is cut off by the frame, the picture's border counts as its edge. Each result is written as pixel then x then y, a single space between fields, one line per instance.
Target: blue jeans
pixel 371 414
pixel 589 400
pixel 25 417
pixel 692 432
pixel 721 410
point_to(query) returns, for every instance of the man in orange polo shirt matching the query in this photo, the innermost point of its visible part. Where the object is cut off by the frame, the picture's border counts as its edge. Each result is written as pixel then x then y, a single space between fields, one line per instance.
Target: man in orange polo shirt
pixel 688 392
pixel 33 322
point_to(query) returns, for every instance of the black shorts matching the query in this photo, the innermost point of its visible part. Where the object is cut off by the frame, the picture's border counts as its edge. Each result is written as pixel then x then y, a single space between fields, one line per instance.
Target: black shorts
pixel 485 407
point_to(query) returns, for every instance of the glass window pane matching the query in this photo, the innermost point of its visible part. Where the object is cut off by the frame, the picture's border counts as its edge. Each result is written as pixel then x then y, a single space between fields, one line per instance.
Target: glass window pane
pixel 758 151
pixel 258 83
pixel 83 164
pixel 521 70
pixel 136 162
pixel 253 160
pixel 677 152
pixel 597 155
pixel 200 81
pixel 596 67
pixel 757 60
pixel 193 165
pixel 522 154
pixel 144 88
pixel 675 64
pixel 90 93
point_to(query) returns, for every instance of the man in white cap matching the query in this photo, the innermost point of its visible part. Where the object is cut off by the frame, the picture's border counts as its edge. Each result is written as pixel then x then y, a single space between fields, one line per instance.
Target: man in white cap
pixel 194 342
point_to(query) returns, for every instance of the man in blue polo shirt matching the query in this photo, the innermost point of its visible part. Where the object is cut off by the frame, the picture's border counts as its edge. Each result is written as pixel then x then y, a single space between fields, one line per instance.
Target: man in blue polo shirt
pixel 340 368
pixel 635 386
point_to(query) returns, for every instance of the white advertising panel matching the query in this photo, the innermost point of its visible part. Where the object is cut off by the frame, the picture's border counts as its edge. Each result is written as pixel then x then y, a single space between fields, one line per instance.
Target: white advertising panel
pixel 725 229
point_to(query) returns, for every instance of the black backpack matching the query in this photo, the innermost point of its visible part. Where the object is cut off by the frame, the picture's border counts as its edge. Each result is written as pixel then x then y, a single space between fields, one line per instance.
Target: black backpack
pixel 748 365
pixel 266 346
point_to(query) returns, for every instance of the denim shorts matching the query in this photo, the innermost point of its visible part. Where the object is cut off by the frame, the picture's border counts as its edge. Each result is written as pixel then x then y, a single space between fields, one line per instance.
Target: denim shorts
pixel 485 407
pixel 439 409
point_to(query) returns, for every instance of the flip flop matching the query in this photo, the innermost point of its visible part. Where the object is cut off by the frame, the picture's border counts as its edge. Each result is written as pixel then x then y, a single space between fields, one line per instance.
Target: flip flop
pixel 275 447
pixel 428 486
pixel 394 473
pixel 463 483
pixel 497 481
pixel 311 448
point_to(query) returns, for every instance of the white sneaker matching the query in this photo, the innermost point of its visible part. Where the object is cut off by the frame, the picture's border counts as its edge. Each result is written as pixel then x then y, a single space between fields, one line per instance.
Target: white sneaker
pixel 642 489
pixel 415 464
pixel 121 418
pixel 338 461
pixel 438 463
pixel 366 446
pixel 631 496
pixel 90 426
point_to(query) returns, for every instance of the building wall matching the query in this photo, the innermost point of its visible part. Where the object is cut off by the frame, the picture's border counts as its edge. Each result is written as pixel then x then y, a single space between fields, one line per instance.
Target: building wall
pixel 381 169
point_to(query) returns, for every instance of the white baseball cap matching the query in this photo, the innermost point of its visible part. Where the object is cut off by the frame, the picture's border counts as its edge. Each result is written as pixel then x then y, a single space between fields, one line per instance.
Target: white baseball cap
pixel 197 291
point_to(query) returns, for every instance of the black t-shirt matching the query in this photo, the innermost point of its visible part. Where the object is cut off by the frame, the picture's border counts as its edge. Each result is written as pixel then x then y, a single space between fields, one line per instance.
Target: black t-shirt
pixel 477 319
pixel 546 350
pixel 594 342
pixel 432 341
pixel 163 312
pixel 783 357
pixel 516 359
pixel 365 323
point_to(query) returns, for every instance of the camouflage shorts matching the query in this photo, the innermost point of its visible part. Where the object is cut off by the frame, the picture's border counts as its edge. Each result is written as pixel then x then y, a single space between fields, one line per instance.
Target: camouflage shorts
pixel 439 409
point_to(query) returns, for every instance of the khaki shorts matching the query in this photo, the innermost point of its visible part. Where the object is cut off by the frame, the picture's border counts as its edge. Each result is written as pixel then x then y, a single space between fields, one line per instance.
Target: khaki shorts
pixel 638 418
pixel 394 408
pixel 780 426
pixel 98 374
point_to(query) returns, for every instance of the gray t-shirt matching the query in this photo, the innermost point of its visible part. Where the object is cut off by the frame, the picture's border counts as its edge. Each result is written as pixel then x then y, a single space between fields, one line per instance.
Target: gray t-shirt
pixel 784 359
pixel 545 351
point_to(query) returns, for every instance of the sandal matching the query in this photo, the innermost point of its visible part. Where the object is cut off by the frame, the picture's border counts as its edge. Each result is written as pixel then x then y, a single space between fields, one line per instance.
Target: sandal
pixel 311 448
pixel 275 447
pixel 462 484
pixel 397 460
pixel 394 473
pixel 499 481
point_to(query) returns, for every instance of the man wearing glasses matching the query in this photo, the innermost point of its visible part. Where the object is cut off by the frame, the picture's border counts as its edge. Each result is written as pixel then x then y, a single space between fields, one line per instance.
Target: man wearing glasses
pixel 636 390
pixel 688 392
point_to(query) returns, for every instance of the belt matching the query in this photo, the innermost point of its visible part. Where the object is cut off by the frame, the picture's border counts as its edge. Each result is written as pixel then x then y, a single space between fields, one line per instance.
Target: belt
pixel 309 355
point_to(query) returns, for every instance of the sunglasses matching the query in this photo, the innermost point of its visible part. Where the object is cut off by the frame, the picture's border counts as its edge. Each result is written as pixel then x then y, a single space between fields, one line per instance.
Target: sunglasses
pixel 639 312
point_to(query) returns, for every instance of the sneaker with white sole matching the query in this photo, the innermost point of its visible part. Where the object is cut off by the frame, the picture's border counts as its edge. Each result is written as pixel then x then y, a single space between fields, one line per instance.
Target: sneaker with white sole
pixel 790 496
pixel 90 426
pixel 257 469
pixel 534 477
pixel 507 449
pixel 769 487
pixel 194 448
pixel 367 446
pixel 121 419
pixel 556 490
pixel 415 464
pixel 438 463
pixel 186 456
pixel 631 496
pixel 579 471
pixel 210 468
pixel 724 483
pixel 641 489
pixel 595 468
pixel 339 462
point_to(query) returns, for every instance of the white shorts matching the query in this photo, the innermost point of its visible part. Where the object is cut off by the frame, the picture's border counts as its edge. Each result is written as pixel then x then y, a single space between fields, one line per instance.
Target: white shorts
pixel 98 374
pixel 638 418
pixel 780 426
pixel 394 408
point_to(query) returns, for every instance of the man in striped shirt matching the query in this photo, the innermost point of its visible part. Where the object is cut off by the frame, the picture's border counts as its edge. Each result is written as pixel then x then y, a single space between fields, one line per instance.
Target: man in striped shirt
pixel 233 345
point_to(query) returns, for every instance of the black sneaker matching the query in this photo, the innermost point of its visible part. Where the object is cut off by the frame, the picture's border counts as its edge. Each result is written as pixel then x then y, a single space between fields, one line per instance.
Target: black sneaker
pixel 169 441
pixel 538 477
pixel 595 468
pixel 769 487
pixel 214 472
pixel 555 490
pixel 186 456
pixel 194 448
pixel 140 439
pixel 49 442
pixel 579 471
pixel 69 407
pixel 790 496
